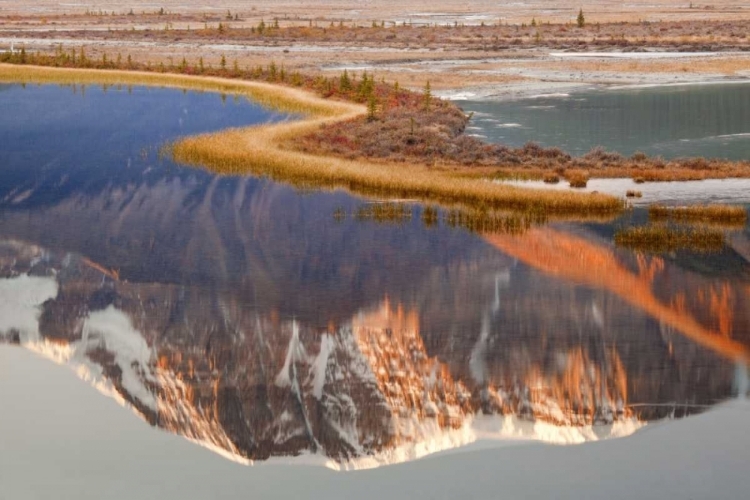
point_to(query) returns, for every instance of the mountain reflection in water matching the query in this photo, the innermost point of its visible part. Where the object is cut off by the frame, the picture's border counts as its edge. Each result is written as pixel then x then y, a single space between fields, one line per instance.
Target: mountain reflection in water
pixel 240 313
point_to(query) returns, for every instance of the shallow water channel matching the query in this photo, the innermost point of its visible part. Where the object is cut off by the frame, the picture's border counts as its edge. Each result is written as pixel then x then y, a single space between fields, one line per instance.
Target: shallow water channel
pixel 263 321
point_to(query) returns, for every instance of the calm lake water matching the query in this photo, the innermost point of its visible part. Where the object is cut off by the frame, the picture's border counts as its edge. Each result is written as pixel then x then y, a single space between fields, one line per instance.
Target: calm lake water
pixel 242 314
pixel 673 121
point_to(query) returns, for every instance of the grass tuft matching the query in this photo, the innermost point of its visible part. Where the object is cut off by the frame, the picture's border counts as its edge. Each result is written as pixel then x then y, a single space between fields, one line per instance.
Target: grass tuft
pixel 731 214
pixel 661 239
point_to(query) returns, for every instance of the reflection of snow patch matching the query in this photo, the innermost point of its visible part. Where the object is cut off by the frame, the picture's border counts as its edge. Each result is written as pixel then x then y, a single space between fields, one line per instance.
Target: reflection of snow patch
pixel 741 381
pixel 597 315
pixel 20 299
pixel 295 352
pixel 486 432
pixel 477 361
pixel 132 354
pixel 318 369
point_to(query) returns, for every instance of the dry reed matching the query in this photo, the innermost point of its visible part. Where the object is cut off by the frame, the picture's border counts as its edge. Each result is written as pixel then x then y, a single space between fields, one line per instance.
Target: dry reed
pixel 732 214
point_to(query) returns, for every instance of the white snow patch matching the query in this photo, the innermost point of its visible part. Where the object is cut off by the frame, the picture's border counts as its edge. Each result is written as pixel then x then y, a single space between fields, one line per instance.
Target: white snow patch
pixel 544 96
pixel 457 96
pixel 635 55
pixel 676 84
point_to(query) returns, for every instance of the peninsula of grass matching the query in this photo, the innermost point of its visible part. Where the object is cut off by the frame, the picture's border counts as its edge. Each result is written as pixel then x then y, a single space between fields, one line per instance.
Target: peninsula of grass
pixel 722 214
pixel 661 239
pixel 265 150
pixel 356 133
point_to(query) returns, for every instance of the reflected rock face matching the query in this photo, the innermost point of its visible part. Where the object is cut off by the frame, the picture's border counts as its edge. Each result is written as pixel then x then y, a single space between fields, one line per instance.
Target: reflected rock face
pixel 252 385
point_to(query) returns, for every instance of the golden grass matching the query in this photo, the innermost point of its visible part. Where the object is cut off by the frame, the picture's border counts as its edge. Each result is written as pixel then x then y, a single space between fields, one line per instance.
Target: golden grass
pixel 264 150
pixel 660 239
pixel 700 213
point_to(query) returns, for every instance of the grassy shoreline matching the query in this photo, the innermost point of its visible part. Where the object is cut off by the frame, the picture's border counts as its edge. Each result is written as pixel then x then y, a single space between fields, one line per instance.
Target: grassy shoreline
pixel 276 97
pixel 262 150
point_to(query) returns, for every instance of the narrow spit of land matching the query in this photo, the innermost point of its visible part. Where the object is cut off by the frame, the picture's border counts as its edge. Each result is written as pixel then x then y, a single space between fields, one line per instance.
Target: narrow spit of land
pixel 370 137
pixel 264 150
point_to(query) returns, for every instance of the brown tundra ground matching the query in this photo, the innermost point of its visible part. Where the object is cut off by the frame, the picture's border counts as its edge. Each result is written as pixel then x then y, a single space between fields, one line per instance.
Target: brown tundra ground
pixel 495 48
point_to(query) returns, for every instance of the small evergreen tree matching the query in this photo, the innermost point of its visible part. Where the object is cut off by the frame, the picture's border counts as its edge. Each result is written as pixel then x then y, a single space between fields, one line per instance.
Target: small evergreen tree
pixel 427 96
pixel 372 108
pixel 581 20
pixel 345 82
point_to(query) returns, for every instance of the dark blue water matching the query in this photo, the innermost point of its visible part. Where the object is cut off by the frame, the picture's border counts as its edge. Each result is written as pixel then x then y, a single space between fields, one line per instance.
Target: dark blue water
pixel 95 137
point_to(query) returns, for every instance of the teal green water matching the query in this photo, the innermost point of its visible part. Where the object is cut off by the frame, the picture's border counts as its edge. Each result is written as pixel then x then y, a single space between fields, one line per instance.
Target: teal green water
pixel 688 120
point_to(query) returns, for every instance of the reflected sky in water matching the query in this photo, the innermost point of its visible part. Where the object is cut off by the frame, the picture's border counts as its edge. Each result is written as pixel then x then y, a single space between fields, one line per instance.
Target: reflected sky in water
pixel 674 121
pixel 242 314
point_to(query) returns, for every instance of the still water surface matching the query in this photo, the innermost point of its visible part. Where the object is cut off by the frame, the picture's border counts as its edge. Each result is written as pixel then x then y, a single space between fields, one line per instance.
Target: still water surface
pixel 240 313
pixel 671 121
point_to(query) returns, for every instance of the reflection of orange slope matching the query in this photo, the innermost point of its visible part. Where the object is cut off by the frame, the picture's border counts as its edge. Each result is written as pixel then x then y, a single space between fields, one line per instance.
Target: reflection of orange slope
pixel 568 257
pixel 411 382
pixel 577 390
